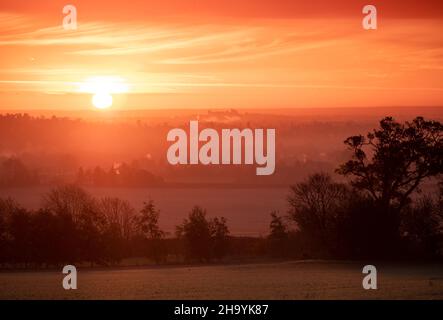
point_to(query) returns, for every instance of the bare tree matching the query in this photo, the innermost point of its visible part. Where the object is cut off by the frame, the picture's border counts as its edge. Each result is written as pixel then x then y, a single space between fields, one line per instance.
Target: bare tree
pixel 315 205
pixel 119 213
pixel 69 200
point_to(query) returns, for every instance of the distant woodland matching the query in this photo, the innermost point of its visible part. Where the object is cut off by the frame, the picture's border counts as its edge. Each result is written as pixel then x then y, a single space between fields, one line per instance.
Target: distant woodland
pixel 54 150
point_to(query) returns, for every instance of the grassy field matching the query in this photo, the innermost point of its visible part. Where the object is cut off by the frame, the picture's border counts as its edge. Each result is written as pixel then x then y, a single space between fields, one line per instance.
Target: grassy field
pixel 286 280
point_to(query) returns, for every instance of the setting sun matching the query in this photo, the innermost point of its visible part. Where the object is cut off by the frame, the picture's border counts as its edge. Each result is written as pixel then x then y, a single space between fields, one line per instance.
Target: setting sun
pixel 102 100
pixel 102 88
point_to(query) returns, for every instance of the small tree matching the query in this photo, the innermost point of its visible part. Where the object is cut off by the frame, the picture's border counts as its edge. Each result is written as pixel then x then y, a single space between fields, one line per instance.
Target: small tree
pixel 196 233
pixel 147 223
pixel 204 239
pixel 314 206
pixel 278 227
pixel 278 237
pixel 119 227
pixel 220 237
pixel 119 213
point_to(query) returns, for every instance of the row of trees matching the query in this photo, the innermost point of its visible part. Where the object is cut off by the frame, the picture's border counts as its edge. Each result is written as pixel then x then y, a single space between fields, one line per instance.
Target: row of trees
pixel 14 173
pixel 74 227
pixel 328 219
pixel 380 212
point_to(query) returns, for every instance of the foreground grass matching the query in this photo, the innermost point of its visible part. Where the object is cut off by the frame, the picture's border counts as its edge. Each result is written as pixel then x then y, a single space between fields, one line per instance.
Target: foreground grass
pixel 286 280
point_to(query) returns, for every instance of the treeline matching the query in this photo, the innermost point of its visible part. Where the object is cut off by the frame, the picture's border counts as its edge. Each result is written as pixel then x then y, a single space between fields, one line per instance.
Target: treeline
pixel 74 227
pixel 14 173
pixel 328 219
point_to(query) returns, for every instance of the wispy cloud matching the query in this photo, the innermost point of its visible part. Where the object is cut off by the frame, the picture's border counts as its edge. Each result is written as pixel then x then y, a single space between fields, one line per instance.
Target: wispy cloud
pixel 276 55
pixel 213 42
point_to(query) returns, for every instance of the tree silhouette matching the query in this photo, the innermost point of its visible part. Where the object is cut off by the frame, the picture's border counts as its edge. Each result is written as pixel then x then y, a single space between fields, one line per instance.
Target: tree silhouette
pixel 147 224
pixel 46 235
pixel 391 162
pixel 203 239
pixel 220 236
pixel 195 231
pixel 314 206
pixel 422 225
pixel 278 237
pixel 277 227
pixel 147 221
pixel 119 214
pixel 68 199
pixel 20 236
pixel 82 220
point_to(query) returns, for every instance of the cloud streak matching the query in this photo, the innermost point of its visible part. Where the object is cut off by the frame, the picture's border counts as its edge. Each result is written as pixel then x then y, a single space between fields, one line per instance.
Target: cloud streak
pixel 280 56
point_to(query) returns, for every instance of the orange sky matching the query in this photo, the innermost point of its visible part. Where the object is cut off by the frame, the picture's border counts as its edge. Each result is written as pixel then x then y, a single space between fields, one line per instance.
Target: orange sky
pixel 230 54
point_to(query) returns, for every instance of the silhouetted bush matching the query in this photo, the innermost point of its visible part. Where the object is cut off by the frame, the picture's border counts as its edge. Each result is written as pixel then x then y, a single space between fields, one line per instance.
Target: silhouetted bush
pixel 219 235
pixel 147 225
pixel 203 239
pixel 422 227
pixel 279 237
pixel 366 230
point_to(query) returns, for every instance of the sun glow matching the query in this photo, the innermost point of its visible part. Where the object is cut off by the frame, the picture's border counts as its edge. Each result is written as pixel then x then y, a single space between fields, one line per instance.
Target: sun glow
pixel 102 100
pixel 102 88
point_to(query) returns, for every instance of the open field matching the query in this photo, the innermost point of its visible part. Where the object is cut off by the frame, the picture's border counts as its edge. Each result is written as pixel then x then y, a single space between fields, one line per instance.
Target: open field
pixel 286 280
